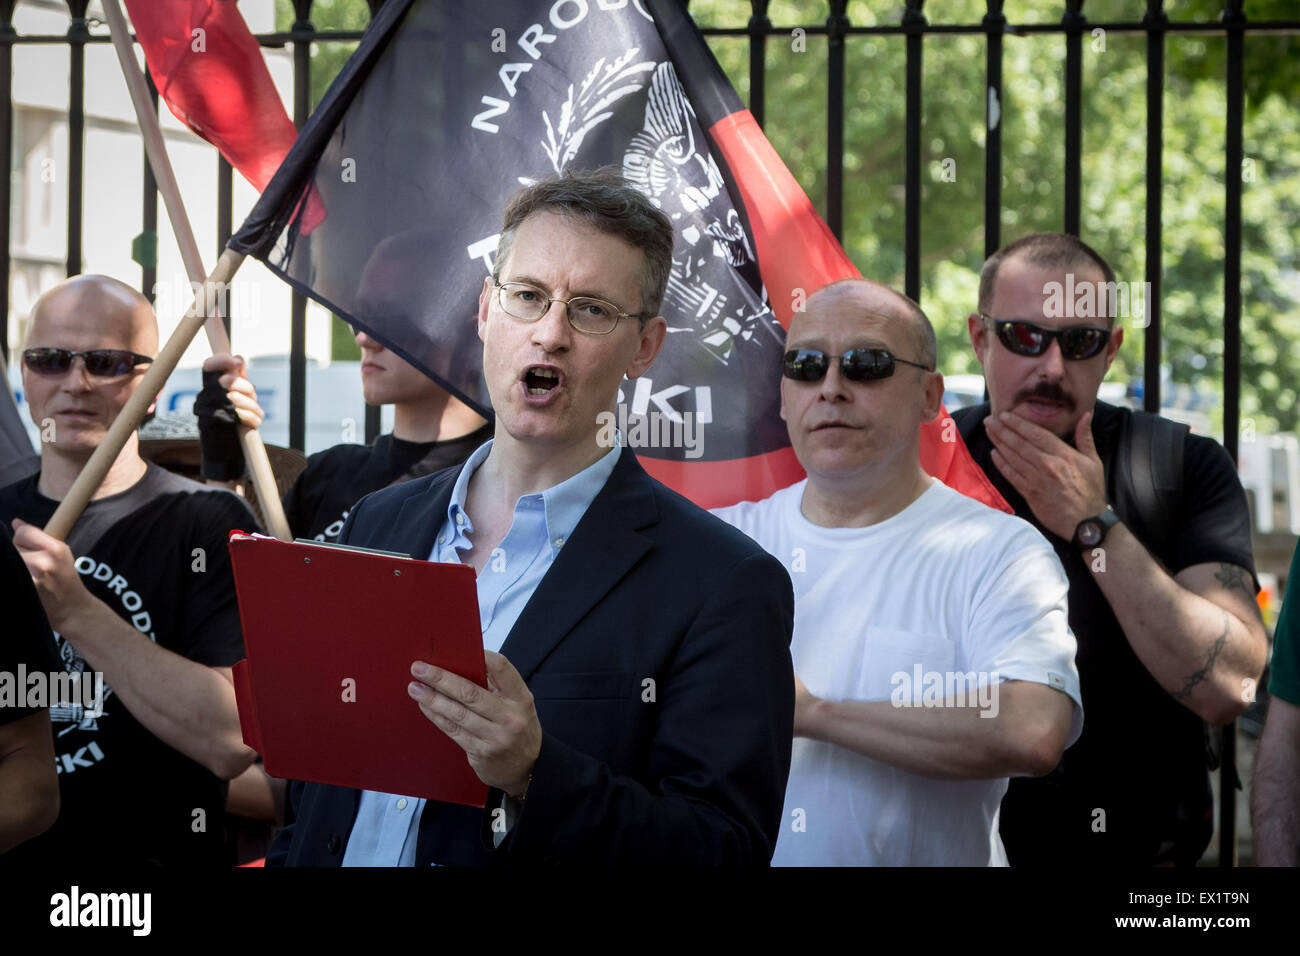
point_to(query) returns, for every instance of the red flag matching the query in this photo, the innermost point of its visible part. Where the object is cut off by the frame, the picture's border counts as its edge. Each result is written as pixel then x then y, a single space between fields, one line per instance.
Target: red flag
pixel 209 69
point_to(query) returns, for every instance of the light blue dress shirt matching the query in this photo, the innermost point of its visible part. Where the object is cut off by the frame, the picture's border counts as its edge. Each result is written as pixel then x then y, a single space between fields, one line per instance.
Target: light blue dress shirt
pixel 387 825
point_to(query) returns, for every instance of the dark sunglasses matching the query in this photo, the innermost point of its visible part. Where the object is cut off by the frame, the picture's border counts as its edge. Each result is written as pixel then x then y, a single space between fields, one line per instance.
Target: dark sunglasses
pixel 857 365
pixel 1025 338
pixel 102 363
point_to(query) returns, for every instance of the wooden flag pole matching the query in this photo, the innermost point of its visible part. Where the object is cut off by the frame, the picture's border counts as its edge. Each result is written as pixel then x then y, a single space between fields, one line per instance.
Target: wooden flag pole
pixel 250 439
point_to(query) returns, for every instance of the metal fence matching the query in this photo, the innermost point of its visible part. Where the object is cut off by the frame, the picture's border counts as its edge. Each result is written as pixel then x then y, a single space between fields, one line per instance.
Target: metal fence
pixel 839 30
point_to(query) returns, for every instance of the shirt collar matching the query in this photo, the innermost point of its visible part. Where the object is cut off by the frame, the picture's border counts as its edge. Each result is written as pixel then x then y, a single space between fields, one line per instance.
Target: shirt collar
pixel 456 507
pixel 564 504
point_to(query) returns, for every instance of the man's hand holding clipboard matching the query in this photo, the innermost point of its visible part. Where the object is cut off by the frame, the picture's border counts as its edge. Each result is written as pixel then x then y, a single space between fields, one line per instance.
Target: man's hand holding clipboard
pixel 333 635
pixel 497 728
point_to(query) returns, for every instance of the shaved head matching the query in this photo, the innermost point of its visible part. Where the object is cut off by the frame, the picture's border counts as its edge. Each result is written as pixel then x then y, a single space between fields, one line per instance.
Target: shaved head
pixel 85 314
pixel 876 299
pixel 93 307
pixel 858 438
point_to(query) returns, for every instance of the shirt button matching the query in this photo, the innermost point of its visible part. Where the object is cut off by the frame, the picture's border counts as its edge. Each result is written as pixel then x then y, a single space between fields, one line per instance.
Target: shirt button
pixel 401 804
pixel 442 539
pixel 559 542
pixel 460 517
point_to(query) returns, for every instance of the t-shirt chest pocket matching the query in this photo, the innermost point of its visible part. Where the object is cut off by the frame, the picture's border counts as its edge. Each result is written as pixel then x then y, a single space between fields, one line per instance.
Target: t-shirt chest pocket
pixel 893 656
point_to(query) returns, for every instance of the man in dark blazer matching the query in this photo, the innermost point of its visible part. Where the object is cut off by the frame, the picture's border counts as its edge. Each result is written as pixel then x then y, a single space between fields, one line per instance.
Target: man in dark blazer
pixel 641 707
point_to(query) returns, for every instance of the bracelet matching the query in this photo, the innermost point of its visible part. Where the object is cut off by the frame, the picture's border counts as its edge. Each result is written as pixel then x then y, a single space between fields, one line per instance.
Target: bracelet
pixel 521 797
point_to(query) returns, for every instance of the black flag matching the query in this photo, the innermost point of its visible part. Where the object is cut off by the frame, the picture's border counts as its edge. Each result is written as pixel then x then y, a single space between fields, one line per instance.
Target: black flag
pixel 446 110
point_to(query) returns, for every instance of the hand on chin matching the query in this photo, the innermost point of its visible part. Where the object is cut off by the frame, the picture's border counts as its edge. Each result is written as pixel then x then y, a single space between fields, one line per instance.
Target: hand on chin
pixel 1054 416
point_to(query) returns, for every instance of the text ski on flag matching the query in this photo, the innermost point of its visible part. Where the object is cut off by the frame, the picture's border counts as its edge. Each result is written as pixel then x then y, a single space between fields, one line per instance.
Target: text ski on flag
pixel 446 110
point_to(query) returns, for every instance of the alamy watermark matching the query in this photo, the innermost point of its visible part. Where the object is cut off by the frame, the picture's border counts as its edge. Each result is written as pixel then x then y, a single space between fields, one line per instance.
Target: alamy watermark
pixel 128 910
pixel 183 297
pixel 922 688
pixel 80 692
pixel 1087 299
pixel 684 430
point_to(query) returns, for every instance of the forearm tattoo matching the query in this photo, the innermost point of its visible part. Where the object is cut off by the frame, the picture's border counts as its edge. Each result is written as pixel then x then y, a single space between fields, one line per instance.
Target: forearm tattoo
pixel 1191 680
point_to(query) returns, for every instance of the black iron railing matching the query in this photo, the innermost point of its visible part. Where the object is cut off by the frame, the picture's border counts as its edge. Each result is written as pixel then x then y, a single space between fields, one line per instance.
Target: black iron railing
pixel 838 28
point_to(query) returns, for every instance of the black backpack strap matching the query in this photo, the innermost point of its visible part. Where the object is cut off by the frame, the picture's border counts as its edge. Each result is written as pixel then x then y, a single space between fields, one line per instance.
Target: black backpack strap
pixel 1149 479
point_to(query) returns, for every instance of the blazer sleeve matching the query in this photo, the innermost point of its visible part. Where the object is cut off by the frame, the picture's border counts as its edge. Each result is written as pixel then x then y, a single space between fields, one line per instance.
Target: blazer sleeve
pixel 719 757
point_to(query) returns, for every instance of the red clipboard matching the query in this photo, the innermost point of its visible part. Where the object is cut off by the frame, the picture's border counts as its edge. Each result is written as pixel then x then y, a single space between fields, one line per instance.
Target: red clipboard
pixel 330 633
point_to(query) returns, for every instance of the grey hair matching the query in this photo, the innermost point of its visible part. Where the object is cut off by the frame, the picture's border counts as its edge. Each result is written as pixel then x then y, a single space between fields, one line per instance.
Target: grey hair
pixel 601 198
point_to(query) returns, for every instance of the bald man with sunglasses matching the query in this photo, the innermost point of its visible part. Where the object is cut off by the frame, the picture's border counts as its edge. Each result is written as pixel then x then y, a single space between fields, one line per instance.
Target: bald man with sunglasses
pixel 1162 586
pixel 931 651
pixel 141 593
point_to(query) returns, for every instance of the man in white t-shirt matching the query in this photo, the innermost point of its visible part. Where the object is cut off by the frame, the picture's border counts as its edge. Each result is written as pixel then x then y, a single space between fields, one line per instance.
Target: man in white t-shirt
pixel 932 655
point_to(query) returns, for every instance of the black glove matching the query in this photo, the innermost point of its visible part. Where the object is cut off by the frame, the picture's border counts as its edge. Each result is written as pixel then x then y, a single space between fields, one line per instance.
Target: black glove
pixel 223 459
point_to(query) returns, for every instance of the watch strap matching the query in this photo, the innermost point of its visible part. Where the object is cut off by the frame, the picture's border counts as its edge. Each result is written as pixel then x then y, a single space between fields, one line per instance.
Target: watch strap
pixel 1103 522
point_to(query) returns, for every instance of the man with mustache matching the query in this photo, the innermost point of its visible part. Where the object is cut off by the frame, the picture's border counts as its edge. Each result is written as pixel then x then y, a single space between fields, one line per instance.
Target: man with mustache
pixel 931 651
pixel 1152 527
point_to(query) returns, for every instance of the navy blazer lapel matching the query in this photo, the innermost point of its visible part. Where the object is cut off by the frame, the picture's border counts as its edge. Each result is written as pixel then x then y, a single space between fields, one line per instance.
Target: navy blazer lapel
pixel 602 549
pixel 420 517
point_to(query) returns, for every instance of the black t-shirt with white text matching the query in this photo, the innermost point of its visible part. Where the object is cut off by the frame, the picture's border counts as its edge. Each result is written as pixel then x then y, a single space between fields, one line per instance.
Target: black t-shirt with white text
pixel 1115 796
pixel 156 555
pixel 337 478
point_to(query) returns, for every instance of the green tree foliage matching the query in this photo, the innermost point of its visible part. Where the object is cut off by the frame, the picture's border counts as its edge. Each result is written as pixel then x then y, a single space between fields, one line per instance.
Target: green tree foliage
pixel 1033 144
pixel 326 58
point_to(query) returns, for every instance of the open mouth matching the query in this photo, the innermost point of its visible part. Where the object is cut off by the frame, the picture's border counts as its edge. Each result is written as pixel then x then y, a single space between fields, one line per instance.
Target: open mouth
pixel 541 379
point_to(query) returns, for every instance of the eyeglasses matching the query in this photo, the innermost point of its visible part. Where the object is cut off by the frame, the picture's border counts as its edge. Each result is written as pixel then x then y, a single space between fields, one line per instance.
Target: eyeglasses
pixel 101 363
pixel 528 303
pixel 857 365
pixel 1078 342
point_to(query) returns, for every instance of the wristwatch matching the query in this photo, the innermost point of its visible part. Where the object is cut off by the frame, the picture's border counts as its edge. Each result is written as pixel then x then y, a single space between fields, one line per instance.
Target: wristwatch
pixel 1090 531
